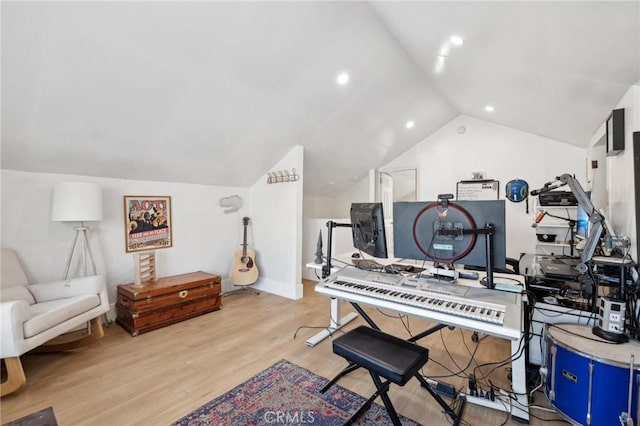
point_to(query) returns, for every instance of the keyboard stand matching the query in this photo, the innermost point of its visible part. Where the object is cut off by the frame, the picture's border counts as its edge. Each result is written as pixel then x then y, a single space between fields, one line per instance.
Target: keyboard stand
pixel 335 323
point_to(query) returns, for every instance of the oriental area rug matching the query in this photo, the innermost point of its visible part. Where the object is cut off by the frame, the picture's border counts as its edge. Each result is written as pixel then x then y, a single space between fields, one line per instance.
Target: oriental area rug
pixel 44 417
pixel 286 393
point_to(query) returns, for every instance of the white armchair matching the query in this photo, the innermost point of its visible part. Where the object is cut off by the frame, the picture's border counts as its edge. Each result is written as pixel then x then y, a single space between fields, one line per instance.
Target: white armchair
pixel 32 315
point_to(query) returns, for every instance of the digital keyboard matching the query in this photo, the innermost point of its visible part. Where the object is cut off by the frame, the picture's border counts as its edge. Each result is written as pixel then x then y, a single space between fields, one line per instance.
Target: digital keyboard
pixel 488 311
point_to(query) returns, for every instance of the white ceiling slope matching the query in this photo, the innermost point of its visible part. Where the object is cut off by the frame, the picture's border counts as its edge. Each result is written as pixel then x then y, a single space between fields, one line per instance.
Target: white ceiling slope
pixel 218 92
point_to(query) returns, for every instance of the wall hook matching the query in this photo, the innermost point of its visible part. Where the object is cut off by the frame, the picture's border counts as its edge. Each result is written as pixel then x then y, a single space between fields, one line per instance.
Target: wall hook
pixel 282 176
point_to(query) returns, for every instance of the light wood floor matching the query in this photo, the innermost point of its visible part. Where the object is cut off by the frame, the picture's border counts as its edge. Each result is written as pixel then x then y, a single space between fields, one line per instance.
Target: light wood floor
pixel 158 377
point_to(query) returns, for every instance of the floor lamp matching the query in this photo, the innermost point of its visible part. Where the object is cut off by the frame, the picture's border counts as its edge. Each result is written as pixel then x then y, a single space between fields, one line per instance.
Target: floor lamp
pixel 78 202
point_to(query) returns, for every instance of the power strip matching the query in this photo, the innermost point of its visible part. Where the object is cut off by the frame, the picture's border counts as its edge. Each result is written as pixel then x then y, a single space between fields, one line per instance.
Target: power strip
pixel 443 389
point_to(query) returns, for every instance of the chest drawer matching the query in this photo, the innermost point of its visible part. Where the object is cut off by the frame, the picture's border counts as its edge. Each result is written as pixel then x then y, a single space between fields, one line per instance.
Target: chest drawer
pixel 166 301
pixel 184 295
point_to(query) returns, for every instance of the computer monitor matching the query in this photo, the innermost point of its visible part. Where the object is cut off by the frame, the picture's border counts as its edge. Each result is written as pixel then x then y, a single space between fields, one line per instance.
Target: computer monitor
pixel 425 230
pixel 367 228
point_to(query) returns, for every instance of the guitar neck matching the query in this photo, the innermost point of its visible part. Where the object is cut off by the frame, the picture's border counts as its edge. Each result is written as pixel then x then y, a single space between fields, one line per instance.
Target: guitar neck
pixel 244 241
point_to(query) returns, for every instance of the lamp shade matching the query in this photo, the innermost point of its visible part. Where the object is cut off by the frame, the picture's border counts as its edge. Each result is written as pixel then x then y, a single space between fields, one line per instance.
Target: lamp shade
pixel 76 202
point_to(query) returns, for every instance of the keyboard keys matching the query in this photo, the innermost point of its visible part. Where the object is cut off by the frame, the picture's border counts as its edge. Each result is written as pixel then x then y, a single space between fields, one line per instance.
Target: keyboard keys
pixel 441 303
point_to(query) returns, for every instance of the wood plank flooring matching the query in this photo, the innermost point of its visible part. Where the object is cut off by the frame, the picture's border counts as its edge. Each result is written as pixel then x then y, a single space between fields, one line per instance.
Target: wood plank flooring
pixel 158 377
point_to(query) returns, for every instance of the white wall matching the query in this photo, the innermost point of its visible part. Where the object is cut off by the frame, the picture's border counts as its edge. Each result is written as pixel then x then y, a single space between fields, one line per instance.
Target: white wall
pixel 204 237
pixel 276 214
pixel 317 206
pixel 620 178
pixel 318 211
pixel 597 178
pixel 359 192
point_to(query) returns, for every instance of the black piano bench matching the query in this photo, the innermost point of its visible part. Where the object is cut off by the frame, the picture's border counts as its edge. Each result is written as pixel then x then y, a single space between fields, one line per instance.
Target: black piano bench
pixel 383 355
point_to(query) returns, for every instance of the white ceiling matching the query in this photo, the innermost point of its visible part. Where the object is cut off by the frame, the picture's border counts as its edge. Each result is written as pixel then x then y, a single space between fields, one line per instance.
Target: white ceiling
pixel 217 93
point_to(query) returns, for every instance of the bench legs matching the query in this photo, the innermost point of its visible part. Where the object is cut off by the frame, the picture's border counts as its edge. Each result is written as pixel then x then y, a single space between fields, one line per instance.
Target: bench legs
pixel 351 367
pixel 382 390
pixel 388 358
pixel 455 417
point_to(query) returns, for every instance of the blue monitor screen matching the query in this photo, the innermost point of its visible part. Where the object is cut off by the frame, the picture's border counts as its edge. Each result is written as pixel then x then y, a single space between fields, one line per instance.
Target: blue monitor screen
pixel 423 230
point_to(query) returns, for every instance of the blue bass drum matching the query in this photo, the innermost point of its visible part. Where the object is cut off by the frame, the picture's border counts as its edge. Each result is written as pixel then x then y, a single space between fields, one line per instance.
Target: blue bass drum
pixel 516 190
pixel 591 381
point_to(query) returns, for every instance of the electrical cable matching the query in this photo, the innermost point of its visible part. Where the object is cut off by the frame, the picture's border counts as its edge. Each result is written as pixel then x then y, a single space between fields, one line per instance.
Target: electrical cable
pixel 330 330
pixel 472 355
pixel 459 373
pixel 498 364
pixel 446 349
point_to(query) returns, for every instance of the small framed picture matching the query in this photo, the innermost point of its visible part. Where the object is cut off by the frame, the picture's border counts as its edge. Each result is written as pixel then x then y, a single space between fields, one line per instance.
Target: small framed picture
pixel 148 223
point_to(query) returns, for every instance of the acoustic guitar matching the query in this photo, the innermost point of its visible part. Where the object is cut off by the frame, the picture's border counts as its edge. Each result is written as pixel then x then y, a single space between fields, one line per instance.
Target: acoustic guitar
pixel 245 270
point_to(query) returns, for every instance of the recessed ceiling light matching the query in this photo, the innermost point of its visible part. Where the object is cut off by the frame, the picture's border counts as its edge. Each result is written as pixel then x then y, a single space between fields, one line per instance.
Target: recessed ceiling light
pixel 343 78
pixel 456 40
pixel 489 108
pixel 410 124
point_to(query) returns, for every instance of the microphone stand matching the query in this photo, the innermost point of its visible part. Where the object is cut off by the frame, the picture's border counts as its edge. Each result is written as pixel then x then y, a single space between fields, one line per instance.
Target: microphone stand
pixel 572 229
pixel 326 269
pixel 336 321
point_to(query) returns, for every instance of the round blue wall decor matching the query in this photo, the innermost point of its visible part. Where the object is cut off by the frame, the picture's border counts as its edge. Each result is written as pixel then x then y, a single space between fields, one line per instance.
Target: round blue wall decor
pixel 516 190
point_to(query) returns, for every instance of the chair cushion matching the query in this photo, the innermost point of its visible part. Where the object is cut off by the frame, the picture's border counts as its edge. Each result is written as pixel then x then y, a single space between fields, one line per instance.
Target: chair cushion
pixel 49 314
pixel 17 292
pixel 386 355
pixel 11 271
pixel 12 278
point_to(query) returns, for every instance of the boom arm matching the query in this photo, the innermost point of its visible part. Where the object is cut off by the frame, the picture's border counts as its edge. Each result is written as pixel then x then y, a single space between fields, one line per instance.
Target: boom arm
pixel 596 219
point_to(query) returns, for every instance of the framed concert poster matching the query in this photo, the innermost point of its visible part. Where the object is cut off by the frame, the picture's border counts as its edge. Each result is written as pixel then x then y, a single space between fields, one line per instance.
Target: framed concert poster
pixel 148 223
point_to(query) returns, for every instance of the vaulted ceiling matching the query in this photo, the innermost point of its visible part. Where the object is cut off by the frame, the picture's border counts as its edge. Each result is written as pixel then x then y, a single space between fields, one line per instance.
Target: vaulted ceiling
pixel 217 92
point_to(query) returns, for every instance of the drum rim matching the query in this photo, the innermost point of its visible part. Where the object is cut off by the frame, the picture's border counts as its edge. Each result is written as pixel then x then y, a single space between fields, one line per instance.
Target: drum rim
pixel 611 362
pixel 567 417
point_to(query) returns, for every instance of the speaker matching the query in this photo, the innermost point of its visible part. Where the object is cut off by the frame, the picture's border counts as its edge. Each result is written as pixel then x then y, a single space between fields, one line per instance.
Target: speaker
pixel 615 132
pixel 636 179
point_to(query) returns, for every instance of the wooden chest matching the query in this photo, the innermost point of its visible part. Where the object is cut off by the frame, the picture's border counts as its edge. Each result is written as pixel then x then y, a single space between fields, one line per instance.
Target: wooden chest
pixel 166 301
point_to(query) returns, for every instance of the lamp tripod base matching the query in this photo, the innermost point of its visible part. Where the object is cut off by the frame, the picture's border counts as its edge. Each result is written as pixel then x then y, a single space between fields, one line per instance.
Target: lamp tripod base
pixel 88 263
